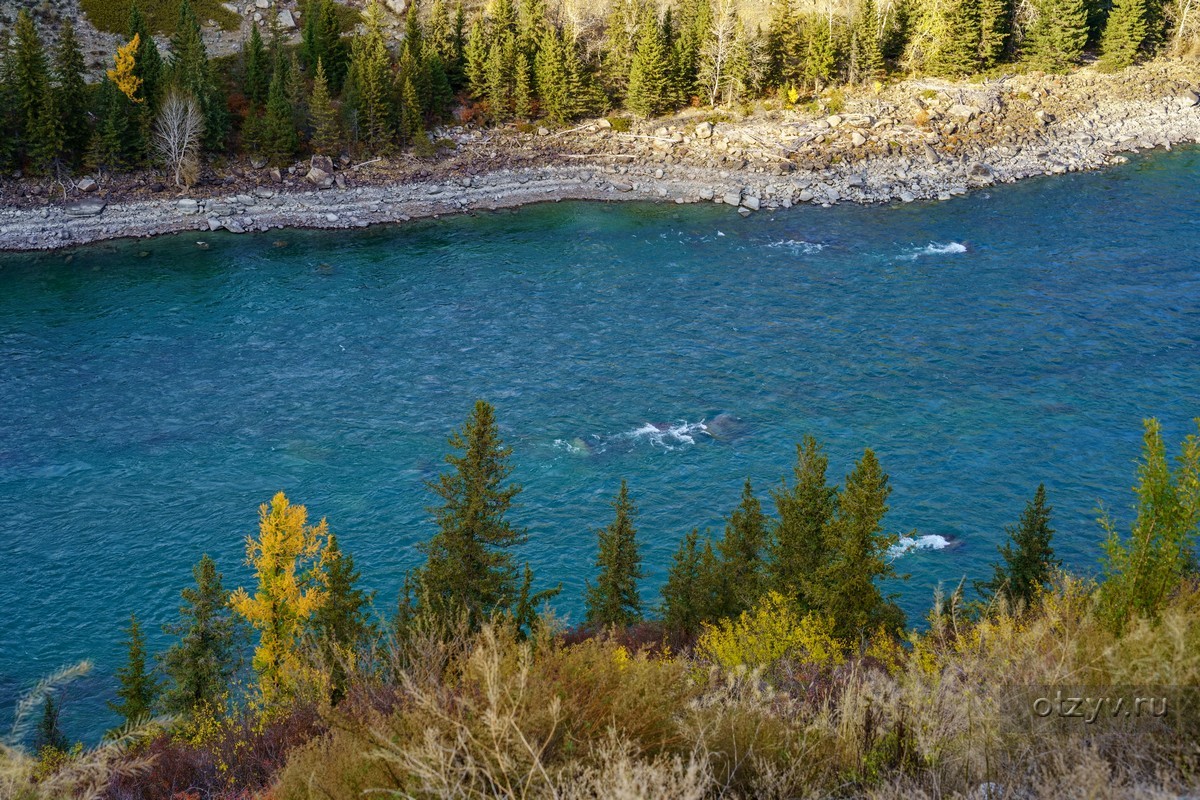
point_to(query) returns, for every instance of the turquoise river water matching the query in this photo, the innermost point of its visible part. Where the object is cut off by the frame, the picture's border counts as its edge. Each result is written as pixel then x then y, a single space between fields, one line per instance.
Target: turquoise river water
pixel 153 393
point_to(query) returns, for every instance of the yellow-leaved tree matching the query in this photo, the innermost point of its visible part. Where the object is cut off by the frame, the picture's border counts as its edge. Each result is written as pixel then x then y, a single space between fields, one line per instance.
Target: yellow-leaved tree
pixel 123 73
pixel 286 562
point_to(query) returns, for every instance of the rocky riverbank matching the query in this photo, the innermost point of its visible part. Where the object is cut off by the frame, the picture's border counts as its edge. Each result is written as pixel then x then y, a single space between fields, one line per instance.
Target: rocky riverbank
pixel 915 140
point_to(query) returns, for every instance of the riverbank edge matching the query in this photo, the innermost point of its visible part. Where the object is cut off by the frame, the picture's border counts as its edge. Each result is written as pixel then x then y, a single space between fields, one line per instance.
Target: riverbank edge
pixel 819 159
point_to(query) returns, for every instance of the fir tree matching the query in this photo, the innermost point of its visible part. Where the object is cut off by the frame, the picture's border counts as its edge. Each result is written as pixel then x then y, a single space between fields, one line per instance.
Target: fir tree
pixel 148 61
pixel 321 40
pixel 72 95
pixel 784 45
pixel 411 128
pixel 323 117
pixel 342 623
pixel 649 75
pixel 522 88
pixel 857 546
pixel 117 132
pixel 804 511
pixel 191 71
pixel 476 58
pixel 500 73
pixel 200 665
pixel 28 77
pixel 868 55
pixel 256 82
pixel 1029 561
pixel 695 21
pixel 1057 38
pixel 955 49
pixel 614 599
pixel 278 140
pixel 743 551
pixel 690 593
pixel 1124 34
pixel 139 690
pixel 8 118
pixel 820 56
pixel 552 80
pixel 468 567
pixel 373 82
pixel 49 732
pixel 995 26
pixel 48 137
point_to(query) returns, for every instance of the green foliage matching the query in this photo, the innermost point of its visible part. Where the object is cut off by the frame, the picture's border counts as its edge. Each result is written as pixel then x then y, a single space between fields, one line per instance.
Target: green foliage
pixel 469 569
pixel 116 142
pixel 47 137
pixel 371 74
pixel 649 88
pixel 1124 34
pixel 1056 40
pixel 48 734
pixel 138 689
pixel 71 94
pixel 1028 557
pixel 1142 570
pixel 189 70
pixel 867 58
pixel 614 599
pixel 323 117
pixel 206 656
pixel 28 77
pixel 785 45
pixel 277 137
pixel 690 594
pixel 321 40
pixel 112 16
pixel 804 511
pixel 955 48
pixel 148 62
pixel 256 81
pixel 743 550
pixel 995 31
pixel 342 623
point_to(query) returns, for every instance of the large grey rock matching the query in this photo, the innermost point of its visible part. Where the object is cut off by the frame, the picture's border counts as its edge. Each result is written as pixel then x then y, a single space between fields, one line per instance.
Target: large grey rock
pixel 1189 98
pixel 857 139
pixel 751 202
pixel 264 192
pixel 316 176
pixel 85 208
pixel 704 130
pixel 622 186
pixel 187 206
pixel 87 185
pixel 732 197
pixel 931 155
pixel 286 21
pixel 963 112
pixel 233 226
pixel 707 193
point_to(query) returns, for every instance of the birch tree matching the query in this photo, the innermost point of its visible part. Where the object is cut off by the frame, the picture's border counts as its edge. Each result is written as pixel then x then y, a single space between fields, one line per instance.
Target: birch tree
pixel 720 51
pixel 177 134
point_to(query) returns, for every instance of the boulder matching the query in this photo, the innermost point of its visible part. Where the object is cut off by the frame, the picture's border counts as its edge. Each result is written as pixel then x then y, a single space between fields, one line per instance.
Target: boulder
pixel 604 124
pixel 85 208
pixel 264 192
pixel 834 120
pixel 87 185
pixel 262 3
pixel 187 206
pixel 857 139
pixel 963 112
pixel 622 186
pixel 258 162
pixel 704 130
pixel 233 226
pixel 1188 98
pixel 707 193
pixel 751 202
pixel 733 197
pixel 931 155
pixel 543 131
pixel 286 21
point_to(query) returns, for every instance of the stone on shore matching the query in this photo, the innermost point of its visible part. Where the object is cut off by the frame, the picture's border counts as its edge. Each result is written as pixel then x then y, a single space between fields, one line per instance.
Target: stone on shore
pixel 733 197
pixel 85 208
pixel 704 130
pixel 931 156
pixel 751 202
pixel 286 21
pixel 87 185
pixel 857 139
pixel 187 206
pixel 622 186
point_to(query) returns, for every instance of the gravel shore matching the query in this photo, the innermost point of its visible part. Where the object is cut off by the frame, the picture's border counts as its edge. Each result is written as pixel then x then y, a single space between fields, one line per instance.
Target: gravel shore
pixel 915 140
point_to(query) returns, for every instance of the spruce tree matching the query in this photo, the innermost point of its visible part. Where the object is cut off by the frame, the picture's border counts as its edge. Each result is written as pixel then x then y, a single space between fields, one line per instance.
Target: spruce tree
pixel 955 48
pixel 148 61
pixel 522 88
pixel 321 40
pixel 278 140
pixel 695 22
pixel 201 663
pixel 48 137
pixel 373 82
pixel 190 70
pixel 693 582
pixel 1058 36
pixel 257 80
pixel 845 586
pixel 868 55
pixel 342 623
pixel 784 45
pixel 72 99
pixel 820 53
pixel 500 73
pixel 649 73
pixel 114 140
pixel 626 19
pixel 8 117
pixel 1124 34
pixel 614 599
pixel 804 511
pixel 469 568
pixel 995 27
pixel 29 78
pixel 49 732
pixel 323 117
pixel 743 551
pixel 1028 557
pixel 550 68
pixel 139 690
pixel 411 127
pixel 476 58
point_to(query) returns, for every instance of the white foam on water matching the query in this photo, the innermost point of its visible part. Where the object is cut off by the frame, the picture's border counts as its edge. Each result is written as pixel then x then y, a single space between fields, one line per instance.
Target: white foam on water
pixel 798 246
pixel 667 436
pixel 936 249
pixel 909 543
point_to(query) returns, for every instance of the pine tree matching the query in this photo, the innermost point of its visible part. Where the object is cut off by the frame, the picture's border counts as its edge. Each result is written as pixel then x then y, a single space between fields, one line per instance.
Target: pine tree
pixel 256 82
pixel 995 27
pixel 868 55
pixel 411 127
pixel 522 88
pixel 1124 34
pixel 342 623
pixel 468 567
pixel 845 587
pixel 190 71
pixel 695 20
pixel 290 589
pixel 321 40
pixel 693 581
pixel 476 58
pixel 500 73
pixel 278 140
pixel 139 690
pixel 804 511
pixel 955 49
pixel 114 141
pixel 48 137
pixel 614 599
pixel 1058 36
pixel 28 77
pixel 49 733
pixel 149 66
pixel 373 82
pixel 72 96
pixel 649 72
pixel 743 551
pixel 1029 561
pixel 8 118
pixel 550 68
pixel 626 19
pixel 820 56
pixel 323 117
pixel 784 46
pixel 200 665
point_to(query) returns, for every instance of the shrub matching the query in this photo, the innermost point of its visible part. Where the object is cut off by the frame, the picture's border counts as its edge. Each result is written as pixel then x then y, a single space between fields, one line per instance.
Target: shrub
pixel 763 635
pixel 112 16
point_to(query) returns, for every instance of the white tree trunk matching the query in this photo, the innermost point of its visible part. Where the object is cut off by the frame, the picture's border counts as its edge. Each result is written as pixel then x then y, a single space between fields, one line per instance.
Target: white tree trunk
pixel 177 132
